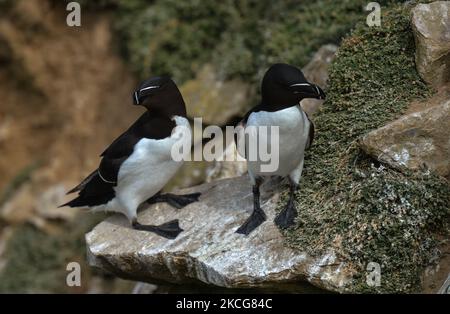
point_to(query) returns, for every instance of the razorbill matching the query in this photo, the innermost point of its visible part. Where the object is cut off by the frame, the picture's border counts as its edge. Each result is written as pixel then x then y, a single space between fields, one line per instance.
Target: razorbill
pixel 282 89
pixel 137 165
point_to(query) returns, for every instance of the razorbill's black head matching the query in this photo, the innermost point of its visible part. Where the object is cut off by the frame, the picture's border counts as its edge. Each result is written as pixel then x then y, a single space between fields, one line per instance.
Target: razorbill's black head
pixel 284 85
pixel 160 94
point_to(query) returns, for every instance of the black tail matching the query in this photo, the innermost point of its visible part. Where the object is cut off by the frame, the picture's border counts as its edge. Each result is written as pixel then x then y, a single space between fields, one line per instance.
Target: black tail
pixel 80 186
pixel 93 191
pixel 76 202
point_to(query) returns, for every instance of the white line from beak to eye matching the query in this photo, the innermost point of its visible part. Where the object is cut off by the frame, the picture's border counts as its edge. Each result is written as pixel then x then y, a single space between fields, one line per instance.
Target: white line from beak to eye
pixel 301 84
pixel 150 87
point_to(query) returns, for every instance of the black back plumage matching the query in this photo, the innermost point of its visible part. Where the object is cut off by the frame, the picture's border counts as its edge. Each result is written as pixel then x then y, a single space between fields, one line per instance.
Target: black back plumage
pixel 162 104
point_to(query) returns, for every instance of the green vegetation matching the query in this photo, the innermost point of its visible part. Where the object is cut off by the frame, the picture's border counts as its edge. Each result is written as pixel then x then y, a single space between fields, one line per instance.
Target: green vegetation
pixel 241 38
pixel 365 211
pixel 36 261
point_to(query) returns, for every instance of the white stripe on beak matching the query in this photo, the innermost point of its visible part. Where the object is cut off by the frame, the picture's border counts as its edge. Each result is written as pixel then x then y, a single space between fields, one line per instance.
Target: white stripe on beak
pixel 317 89
pixel 136 98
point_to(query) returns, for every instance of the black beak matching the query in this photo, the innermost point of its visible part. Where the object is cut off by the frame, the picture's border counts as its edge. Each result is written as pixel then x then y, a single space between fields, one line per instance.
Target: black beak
pixel 307 90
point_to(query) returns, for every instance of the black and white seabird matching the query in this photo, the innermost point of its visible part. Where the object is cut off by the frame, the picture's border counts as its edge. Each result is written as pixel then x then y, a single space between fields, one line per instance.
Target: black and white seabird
pixel 283 87
pixel 137 165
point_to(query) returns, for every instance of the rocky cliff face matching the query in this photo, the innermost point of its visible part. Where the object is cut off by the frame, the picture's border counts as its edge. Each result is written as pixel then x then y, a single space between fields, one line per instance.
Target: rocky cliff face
pixel 354 207
pixel 360 200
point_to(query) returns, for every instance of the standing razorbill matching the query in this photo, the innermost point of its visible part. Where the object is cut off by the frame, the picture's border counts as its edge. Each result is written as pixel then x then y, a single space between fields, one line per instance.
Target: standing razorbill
pixel 283 87
pixel 137 165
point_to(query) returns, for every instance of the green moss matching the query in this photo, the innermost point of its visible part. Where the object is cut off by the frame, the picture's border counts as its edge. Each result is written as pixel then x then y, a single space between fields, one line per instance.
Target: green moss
pixel 241 38
pixel 366 211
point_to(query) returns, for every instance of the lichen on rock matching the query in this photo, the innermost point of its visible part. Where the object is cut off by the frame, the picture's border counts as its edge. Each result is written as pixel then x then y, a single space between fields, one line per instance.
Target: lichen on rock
pixel 368 211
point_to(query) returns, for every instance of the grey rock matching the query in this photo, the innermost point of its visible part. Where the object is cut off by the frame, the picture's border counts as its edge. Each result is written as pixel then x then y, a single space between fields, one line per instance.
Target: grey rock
pixel 213 99
pixel 316 71
pixel 431 26
pixel 445 289
pixel 416 140
pixel 209 251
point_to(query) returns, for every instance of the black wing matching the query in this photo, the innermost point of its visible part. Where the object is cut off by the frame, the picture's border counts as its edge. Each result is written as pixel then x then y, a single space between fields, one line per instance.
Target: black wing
pixel 83 183
pixel 147 126
pixel 113 157
pixel 123 146
pixel 97 188
pixel 116 154
pixel 93 192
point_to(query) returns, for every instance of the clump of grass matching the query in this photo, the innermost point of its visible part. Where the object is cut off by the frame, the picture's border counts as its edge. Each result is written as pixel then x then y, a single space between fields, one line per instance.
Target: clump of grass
pixel 365 211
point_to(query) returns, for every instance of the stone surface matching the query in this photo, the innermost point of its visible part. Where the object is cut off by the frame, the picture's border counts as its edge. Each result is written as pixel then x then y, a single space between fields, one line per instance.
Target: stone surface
pixel 316 71
pixel 431 26
pixel 415 140
pixel 436 277
pixel 215 100
pixel 228 169
pixel 445 289
pixel 209 250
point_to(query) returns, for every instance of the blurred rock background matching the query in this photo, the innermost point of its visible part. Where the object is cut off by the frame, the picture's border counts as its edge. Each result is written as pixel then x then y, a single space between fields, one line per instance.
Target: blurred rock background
pixel 65 94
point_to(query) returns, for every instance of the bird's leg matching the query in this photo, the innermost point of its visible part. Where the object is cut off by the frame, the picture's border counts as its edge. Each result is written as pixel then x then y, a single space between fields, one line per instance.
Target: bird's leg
pixel 169 230
pixel 257 217
pixel 177 201
pixel 286 217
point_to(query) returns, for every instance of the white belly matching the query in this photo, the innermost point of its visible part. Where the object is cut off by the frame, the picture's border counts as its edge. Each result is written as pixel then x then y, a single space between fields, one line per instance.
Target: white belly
pixel 293 127
pixel 147 170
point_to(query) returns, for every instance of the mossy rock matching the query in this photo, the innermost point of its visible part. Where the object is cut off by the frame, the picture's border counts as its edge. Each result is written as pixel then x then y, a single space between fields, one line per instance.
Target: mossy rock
pixel 368 211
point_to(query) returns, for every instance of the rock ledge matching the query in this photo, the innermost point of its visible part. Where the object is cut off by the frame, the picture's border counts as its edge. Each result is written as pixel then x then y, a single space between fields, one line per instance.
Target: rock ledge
pixel 209 250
